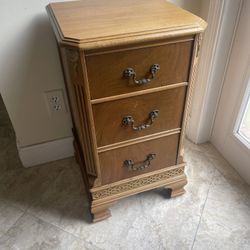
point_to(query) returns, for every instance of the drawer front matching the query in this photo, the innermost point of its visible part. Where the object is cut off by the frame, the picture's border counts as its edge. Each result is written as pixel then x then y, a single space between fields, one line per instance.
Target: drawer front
pixel 126 162
pixel 106 71
pixel 113 119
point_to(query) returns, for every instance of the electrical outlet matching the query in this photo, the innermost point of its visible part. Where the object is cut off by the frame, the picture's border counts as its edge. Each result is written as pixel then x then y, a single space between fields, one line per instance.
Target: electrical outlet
pixel 56 102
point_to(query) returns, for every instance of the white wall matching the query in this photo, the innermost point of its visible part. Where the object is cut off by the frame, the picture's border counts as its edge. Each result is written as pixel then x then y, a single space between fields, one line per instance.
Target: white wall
pixel 193 6
pixel 29 66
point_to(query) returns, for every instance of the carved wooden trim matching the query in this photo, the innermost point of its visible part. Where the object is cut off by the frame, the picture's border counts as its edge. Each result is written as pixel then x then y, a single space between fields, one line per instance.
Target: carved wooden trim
pixel 131 185
pixel 89 118
pixel 73 55
pixel 137 46
pixel 76 81
pixel 192 77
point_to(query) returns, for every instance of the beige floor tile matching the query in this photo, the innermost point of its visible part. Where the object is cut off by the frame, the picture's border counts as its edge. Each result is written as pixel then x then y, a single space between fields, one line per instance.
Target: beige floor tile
pixel 199 166
pixel 32 233
pixel 9 159
pixel 8 216
pixel 141 221
pixel 22 187
pixel 228 190
pixel 224 225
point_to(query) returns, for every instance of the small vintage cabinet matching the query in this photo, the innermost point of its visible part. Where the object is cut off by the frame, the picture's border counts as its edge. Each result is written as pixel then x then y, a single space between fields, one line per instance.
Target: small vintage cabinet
pixel 129 68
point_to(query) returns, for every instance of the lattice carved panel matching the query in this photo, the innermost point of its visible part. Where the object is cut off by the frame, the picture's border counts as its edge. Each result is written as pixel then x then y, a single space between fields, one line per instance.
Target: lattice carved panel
pixel 137 183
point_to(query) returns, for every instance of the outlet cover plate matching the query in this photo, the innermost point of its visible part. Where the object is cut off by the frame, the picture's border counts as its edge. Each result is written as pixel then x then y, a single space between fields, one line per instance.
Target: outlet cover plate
pixel 56 102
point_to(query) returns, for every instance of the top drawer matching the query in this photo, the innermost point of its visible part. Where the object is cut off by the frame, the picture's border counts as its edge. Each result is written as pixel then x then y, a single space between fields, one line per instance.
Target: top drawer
pixel 106 71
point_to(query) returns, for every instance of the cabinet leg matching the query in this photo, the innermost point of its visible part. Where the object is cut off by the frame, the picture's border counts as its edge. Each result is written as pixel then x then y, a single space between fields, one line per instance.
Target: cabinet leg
pixel 177 188
pixel 100 212
pixel 177 192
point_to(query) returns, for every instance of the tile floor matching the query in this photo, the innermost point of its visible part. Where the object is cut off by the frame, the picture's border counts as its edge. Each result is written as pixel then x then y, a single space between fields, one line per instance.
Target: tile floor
pixel 45 207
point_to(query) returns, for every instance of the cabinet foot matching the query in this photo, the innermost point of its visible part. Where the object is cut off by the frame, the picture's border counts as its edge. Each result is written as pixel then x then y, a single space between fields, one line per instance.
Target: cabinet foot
pixel 177 192
pixel 101 212
pixel 101 215
pixel 177 188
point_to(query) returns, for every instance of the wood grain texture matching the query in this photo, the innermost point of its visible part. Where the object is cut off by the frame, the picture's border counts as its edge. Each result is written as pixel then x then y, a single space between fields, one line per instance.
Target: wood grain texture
pixel 111 162
pixel 74 82
pixel 137 93
pixel 138 140
pixel 98 40
pixel 108 116
pixel 100 23
pixel 106 71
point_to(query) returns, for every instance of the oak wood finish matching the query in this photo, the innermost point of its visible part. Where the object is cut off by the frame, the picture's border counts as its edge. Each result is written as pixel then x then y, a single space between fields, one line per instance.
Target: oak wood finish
pixel 98 40
pixel 108 116
pixel 137 93
pixel 138 140
pixel 106 77
pixel 112 162
pixel 93 24
pixel 192 75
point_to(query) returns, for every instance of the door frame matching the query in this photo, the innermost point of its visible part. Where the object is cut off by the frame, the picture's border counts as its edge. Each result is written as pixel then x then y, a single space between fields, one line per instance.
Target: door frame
pixel 236 82
pixel 222 17
pixel 238 116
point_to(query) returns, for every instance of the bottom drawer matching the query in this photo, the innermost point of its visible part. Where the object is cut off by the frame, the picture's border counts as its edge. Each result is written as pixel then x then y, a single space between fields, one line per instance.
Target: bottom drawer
pixel 129 161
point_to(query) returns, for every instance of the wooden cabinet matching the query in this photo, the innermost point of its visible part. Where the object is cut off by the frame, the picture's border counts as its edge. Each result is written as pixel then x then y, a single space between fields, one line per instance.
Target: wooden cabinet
pixel 129 70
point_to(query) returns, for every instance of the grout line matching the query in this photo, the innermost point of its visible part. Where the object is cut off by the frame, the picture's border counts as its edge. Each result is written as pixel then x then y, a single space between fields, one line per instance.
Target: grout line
pixel 197 229
pixel 56 226
pixel 13 224
pixel 230 167
pixel 46 222
pixel 200 220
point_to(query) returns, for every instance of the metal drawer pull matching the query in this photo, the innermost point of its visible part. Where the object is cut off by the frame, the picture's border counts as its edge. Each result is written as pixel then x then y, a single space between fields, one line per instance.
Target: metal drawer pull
pixel 130 73
pixel 129 121
pixel 131 165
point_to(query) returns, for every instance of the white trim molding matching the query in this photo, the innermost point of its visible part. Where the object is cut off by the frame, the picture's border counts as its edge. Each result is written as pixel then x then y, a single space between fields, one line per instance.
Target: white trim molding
pixel 222 18
pixel 234 88
pixel 46 152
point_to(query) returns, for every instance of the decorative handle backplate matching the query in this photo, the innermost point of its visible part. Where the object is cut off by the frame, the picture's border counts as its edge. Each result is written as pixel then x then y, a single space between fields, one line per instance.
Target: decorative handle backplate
pixel 129 121
pixel 135 167
pixel 130 73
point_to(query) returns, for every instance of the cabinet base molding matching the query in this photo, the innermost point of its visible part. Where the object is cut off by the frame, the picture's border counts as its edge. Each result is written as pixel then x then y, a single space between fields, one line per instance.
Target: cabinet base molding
pixel 144 182
pixel 103 197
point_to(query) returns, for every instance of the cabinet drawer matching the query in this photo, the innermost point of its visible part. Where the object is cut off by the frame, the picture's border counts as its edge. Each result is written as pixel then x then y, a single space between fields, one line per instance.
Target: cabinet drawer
pixel 110 117
pixel 114 165
pixel 106 71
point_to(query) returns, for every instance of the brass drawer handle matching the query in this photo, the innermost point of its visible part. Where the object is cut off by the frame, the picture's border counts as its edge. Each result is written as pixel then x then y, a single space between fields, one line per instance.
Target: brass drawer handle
pixel 130 73
pixel 129 121
pixel 131 165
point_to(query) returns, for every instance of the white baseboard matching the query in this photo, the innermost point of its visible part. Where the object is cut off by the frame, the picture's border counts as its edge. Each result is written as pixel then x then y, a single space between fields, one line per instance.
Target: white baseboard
pixel 46 152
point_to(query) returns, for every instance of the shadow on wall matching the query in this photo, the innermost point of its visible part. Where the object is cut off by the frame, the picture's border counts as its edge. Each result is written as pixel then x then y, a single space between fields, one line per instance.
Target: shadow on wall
pixel 32 66
pixel 193 6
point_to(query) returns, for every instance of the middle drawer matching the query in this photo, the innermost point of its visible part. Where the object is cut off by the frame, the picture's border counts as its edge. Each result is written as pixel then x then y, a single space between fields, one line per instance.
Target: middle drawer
pixel 133 117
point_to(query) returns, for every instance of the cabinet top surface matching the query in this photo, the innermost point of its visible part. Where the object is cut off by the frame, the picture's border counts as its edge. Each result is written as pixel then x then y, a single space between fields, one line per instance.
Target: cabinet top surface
pixel 92 21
